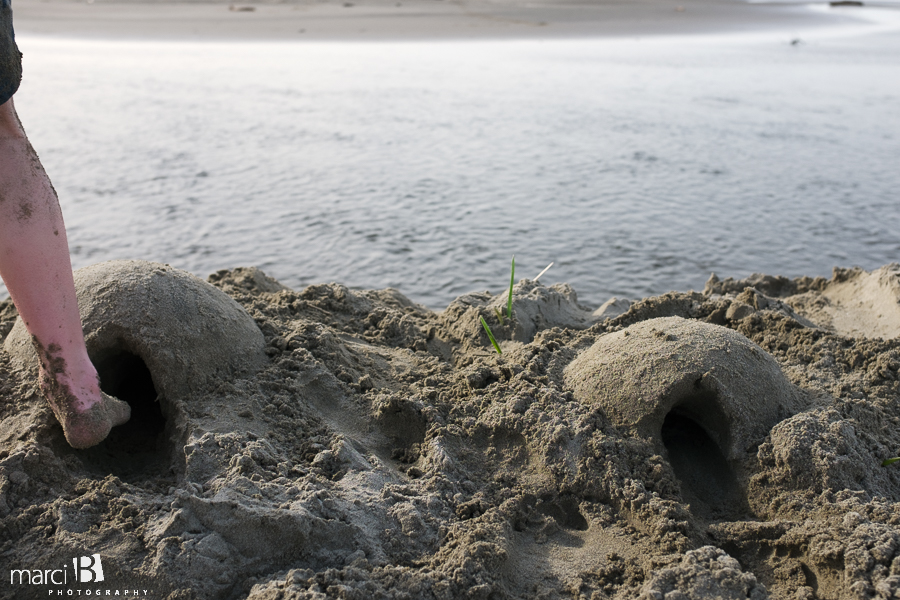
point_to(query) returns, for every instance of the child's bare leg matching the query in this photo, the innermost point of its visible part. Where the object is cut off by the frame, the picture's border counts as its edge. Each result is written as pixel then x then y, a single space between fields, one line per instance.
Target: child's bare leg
pixel 35 265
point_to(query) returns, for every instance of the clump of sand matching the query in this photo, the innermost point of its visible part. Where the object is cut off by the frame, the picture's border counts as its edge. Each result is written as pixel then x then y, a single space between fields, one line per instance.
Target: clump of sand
pixel 854 303
pixel 386 451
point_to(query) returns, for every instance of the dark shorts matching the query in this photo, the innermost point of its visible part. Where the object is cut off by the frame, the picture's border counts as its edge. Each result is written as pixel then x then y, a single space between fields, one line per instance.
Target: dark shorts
pixel 10 57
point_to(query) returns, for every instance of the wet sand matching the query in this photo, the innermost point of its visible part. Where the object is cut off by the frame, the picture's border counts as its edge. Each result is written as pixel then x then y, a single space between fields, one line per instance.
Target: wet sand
pixel 409 19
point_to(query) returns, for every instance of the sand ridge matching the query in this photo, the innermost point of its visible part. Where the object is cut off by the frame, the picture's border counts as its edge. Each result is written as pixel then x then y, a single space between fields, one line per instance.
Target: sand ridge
pixel 853 303
pixel 386 451
pixel 856 303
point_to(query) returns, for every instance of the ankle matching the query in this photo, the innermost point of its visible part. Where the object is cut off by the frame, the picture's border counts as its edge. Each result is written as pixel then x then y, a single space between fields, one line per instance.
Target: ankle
pixel 65 394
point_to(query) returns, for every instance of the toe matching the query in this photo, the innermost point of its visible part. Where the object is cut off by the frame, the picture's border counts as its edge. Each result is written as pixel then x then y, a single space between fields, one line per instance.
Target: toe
pixel 119 411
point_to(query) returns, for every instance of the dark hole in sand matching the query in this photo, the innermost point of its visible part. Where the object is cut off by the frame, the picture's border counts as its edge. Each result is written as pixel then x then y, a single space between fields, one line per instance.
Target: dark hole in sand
pixel 134 450
pixel 565 512
pixel 708 483
pixel 811 579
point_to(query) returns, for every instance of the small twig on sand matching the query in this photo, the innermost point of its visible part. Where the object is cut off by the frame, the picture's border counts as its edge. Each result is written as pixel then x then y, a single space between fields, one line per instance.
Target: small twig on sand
pixel 547 268
pixel 512 279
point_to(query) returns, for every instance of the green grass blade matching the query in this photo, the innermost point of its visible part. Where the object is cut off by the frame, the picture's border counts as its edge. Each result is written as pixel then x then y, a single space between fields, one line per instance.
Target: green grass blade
pixel 499 314
pixel 491 335
pixel 890 461
pixel 512 279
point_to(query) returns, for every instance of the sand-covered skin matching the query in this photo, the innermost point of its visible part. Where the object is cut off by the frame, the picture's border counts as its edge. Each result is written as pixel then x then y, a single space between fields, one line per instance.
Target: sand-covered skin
pixel 386 451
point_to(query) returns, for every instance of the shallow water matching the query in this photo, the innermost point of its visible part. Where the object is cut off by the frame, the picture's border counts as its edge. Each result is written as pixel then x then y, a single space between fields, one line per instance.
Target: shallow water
pixel 636 166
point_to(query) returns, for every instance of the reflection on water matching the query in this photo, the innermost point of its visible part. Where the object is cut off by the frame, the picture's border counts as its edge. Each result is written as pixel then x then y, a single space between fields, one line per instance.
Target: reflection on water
pixel 636 166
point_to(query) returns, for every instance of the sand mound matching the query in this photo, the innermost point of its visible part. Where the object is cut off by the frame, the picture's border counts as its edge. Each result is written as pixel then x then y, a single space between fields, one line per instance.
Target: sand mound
pixel 535 307
pixel 662 371
pixel 381 450
pixel 853 303
pixel 856 303
pixel 707 572
pixel 161 339
pixel 188 333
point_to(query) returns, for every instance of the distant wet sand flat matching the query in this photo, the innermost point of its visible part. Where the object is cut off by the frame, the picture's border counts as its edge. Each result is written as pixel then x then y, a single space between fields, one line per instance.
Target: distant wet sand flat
pixel 407 19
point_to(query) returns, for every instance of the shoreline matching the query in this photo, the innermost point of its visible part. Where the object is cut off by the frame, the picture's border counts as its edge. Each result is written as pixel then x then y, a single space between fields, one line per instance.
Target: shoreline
pixel 412 19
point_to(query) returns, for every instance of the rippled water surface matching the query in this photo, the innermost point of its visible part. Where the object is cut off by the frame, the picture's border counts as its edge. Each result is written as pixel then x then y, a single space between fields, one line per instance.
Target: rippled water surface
pixel 637 166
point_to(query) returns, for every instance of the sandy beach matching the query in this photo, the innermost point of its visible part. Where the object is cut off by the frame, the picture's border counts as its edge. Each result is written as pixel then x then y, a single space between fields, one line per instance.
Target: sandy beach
pixel 410 19
pixel 327 442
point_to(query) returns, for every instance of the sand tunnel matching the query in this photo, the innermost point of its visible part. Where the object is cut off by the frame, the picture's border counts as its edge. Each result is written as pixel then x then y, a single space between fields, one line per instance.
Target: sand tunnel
pixel 160 338
pixel 704 394
pixel 140 446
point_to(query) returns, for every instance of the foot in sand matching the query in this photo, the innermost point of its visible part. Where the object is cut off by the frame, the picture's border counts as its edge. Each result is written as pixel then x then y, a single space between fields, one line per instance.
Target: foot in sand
pixel 85 413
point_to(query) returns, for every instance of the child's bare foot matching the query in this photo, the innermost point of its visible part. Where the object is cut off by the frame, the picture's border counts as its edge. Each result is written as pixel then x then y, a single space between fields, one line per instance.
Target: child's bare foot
pixel 90 427
pixel 85 413
pixel 85 427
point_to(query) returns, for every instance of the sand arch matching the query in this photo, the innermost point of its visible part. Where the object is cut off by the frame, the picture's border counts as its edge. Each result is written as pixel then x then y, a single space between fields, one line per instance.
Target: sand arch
pixel 657 376
pixel 705 395
pixel 156 333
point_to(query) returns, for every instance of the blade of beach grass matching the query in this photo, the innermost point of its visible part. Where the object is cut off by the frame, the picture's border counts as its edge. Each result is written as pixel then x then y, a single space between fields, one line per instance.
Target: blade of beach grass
pixel 512 279
pixel 890 461
pixel 491 335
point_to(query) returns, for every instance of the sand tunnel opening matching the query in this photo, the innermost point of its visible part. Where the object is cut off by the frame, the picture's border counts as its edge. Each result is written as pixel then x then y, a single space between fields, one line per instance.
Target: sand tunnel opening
pixel 708 482
pixel 136 449
pixel 565 511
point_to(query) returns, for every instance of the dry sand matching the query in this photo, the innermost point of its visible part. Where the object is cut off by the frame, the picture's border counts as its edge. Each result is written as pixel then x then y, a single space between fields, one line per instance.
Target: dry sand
pixel 723 444
pixel 408 19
